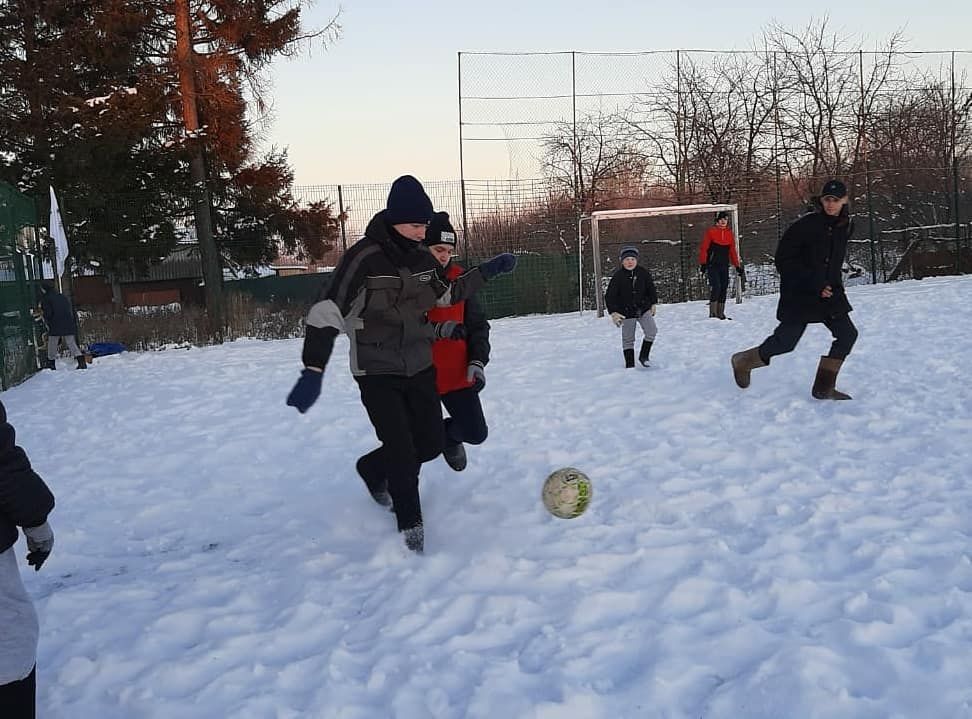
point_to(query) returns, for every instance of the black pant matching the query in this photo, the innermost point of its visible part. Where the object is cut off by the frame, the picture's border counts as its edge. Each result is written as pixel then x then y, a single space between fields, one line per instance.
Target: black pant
pixel 718 281
pixel 786 336
pixel 466 422
pixel 407 417
pixel 18 700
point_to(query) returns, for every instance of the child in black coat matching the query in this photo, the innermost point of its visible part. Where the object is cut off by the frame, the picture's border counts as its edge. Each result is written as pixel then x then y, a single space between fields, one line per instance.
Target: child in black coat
pixel 631 299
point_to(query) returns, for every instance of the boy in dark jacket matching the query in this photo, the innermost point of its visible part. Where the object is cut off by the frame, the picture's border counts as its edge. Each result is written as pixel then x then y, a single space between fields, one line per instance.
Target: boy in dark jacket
pixel 631 298
pixel 810 259
pixel 379 295
pixel 460 361
pixel 61 324
pixel 25 501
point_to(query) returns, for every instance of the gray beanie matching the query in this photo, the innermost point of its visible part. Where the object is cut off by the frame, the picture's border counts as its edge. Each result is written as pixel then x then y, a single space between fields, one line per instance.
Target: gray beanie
pixel 628 251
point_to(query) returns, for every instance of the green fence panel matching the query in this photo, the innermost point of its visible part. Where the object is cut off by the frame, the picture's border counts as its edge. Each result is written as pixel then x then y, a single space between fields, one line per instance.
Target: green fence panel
pixel 18 278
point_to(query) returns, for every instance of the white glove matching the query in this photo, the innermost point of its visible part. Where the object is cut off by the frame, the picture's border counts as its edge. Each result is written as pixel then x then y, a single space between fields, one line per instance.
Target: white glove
pixel 40 542
pixel 617 318
pixel 476 375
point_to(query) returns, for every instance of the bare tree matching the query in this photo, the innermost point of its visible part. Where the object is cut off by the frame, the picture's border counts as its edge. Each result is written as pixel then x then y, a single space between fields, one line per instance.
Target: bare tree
pixel 587 163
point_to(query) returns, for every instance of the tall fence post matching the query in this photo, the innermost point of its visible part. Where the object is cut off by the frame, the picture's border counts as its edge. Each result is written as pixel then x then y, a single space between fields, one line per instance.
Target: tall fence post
pixel 344 231
pixel 956 214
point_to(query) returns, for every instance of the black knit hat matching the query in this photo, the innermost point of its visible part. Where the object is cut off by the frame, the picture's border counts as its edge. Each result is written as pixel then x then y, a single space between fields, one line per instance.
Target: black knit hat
pixel 440 231
pixel 628 252
pixel 722 215
pixel 407 202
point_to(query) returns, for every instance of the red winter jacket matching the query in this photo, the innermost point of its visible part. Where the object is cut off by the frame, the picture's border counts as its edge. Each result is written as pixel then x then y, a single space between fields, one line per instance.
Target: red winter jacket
pixel 718 246
pixel 452 357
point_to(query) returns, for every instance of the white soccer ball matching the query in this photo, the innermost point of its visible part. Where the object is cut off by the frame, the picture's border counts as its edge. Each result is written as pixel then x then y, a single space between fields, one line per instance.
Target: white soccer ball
pixel 567 493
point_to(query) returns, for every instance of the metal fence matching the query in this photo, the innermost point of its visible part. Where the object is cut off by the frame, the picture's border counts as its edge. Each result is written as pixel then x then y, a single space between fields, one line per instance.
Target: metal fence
pixel 761 129
pixel 19 273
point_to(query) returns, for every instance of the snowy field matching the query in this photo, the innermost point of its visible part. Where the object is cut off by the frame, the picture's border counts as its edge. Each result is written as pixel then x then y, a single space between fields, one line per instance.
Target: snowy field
pixel 747 555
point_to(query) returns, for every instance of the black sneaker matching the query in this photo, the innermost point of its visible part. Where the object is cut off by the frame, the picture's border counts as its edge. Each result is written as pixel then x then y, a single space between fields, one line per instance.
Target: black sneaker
pixel 377 487
pixel 415 538
pixel 455 456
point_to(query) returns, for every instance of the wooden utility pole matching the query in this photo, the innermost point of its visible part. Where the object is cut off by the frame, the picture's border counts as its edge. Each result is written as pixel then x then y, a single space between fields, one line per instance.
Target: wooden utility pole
pixel 212 268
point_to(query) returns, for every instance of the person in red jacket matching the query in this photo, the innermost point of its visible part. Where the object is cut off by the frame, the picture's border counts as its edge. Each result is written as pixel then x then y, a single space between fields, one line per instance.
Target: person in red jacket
pixel 717 252
pixel 459 363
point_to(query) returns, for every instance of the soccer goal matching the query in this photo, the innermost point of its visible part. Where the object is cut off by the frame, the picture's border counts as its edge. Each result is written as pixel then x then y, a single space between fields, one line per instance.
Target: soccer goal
pixel 669 246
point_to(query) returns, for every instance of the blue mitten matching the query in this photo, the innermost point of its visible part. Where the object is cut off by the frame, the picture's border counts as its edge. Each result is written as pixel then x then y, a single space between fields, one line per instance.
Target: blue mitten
pixel 306 391
pixel 499 265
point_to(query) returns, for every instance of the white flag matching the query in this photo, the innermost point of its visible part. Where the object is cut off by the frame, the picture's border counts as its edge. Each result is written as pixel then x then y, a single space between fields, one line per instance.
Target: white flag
pixel 56 230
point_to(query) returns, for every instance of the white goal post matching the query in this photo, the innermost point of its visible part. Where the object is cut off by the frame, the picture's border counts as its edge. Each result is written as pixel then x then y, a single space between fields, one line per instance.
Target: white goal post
pixel 602 215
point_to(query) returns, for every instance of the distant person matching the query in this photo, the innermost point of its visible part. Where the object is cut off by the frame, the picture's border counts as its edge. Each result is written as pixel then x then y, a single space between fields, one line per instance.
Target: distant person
pixel 717 252
pixel 460 362
pixel 631 298
pixel 379 295
pixel 810 260
pixel 25 502
pixel 61 325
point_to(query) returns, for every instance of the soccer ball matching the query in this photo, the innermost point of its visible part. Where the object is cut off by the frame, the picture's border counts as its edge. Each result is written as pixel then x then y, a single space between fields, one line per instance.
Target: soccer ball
pixel 566 493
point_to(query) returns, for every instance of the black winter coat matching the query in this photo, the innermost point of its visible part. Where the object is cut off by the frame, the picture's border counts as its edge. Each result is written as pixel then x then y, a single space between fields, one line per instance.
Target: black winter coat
pixel 379 295
pixel 810 256
pixel 58 314
pixel 25 501
pixel 632 293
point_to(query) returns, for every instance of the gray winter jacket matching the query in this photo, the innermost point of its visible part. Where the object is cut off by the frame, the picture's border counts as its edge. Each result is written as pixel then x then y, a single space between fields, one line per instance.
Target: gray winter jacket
pixel 379 295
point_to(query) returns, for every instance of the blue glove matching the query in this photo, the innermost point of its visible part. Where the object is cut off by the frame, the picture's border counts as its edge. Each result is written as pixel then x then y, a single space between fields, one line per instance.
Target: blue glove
pixel 450 330
pixel 306 391
pixel 476 375
pixel 499 265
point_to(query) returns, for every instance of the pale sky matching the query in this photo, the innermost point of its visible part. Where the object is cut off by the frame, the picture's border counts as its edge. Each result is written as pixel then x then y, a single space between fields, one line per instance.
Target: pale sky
pixel 382 101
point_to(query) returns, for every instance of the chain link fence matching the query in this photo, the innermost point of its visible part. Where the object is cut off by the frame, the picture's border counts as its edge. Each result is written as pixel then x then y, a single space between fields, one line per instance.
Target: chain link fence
pixel 762 129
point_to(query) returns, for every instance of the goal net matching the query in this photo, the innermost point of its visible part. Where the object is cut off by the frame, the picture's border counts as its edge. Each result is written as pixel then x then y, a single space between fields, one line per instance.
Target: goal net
pixel 668 240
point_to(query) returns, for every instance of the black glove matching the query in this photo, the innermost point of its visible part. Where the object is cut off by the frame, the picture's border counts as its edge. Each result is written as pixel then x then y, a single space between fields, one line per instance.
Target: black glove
pixel 702 269
pixel 499 265
pixel 740 271
pixel 40 542
pixel 306 391
pixel 450 330
pixel 476 375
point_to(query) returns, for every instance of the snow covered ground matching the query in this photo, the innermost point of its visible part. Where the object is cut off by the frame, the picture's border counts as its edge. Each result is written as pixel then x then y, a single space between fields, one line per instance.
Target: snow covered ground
pixel 747 555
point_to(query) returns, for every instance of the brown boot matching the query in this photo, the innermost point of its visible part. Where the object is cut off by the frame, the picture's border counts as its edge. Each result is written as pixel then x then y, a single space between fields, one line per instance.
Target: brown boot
pixel 712 309
pixel 743 363
pixel 824 384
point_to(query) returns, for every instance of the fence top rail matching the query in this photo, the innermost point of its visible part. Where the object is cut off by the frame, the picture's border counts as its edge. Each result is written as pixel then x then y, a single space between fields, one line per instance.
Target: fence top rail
pixel 922 227
pixel 655 211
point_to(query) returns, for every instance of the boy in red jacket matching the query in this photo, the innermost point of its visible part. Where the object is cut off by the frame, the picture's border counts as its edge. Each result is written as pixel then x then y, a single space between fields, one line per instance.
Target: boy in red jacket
pixel 459 363
pixel 717 252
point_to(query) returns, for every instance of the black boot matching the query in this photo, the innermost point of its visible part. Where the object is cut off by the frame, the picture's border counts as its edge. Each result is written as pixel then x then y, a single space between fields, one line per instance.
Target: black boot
pixel 51 364
pixel 629 358
pixel 369 470
pixel 81 363
pixel 645 351
pixel 455 456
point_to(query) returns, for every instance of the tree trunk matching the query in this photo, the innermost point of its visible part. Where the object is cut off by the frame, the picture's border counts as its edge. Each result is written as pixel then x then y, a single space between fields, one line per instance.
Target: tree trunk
pixel 212 270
